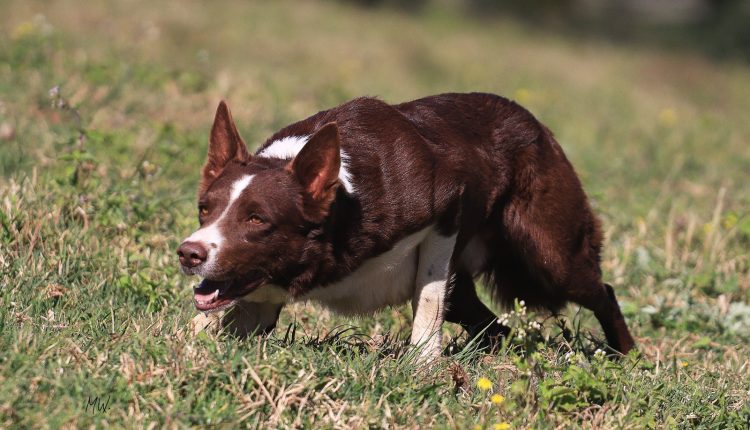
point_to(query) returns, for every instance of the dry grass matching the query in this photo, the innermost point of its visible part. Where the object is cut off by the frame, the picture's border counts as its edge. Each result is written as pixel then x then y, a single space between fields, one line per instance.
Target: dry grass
pixel 93 303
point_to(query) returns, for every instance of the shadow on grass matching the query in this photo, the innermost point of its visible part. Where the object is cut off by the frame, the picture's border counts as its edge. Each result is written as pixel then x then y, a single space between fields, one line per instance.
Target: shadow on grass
pixel 564 337
pixel 346 340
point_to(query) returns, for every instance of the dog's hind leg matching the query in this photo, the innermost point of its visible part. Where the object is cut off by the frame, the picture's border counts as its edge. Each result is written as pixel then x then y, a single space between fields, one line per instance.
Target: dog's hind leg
pixel 556 273
pixel 464 307
pixel 601 300
pixel 428 302
pixel 547 250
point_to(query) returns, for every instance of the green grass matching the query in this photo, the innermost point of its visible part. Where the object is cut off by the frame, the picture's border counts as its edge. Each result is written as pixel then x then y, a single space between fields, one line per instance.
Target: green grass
pixel 98 187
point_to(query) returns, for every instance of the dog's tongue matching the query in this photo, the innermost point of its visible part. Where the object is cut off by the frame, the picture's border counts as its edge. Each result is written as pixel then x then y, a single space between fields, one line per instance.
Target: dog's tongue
pixel 206 298
pixel 208 295
pixel 208 291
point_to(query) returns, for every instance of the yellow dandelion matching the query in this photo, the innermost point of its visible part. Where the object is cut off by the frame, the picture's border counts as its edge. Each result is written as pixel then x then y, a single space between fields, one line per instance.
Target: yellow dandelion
pixel 484 384
pixel 501 426
pixel 668 117
pixel 522 95
pixel 23 29
pixel 477 427
pixel 683 364
pixel 497 399
pixel 641 224
pixel 730 221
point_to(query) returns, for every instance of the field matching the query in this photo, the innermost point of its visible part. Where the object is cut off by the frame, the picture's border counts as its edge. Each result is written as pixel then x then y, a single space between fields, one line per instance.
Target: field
pixel 105 109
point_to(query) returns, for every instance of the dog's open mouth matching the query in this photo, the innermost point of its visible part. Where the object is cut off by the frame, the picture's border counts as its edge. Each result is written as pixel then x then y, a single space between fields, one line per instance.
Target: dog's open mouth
pixel 211 296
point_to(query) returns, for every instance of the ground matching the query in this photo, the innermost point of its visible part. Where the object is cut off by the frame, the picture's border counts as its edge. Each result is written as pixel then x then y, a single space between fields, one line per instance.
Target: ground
pixel 104 116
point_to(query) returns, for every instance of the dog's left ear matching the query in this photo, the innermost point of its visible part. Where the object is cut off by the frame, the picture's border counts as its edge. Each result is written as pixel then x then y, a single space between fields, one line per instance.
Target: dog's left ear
pixel 225 145
pixel 316 167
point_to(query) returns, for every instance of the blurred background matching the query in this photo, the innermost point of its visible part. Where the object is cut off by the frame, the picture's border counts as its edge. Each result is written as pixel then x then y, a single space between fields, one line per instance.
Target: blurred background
pixel 570 61
pixel 718 28
pixel 105 108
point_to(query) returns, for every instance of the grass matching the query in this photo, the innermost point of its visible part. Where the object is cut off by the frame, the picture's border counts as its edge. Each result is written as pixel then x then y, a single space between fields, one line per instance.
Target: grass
pixel 98 187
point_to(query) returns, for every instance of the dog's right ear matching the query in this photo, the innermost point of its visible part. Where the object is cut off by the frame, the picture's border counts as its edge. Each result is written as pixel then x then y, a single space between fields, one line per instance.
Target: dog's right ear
pixel 316 167
pixel 225 145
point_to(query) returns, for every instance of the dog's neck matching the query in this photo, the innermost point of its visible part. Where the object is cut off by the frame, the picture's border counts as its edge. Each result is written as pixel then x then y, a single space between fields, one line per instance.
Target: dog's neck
pixel 337 245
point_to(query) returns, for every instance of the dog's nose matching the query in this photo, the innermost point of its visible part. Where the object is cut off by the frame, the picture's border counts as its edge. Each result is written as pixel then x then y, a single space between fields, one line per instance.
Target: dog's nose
pixel 192 254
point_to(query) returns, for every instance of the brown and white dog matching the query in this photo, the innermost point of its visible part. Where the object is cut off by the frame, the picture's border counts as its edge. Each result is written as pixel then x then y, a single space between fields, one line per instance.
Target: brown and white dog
pixel 368 205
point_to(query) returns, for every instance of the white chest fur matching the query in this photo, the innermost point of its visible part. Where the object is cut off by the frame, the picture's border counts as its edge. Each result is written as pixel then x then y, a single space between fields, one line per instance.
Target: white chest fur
pixel 387 279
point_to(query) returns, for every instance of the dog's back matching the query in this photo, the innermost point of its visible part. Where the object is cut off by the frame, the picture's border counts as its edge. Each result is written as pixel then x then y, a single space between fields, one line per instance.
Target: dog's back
pixel 525 222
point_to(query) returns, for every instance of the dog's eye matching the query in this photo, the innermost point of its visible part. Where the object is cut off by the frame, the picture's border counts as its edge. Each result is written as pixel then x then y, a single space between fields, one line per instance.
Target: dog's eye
pixel 255 219
pixel 202 211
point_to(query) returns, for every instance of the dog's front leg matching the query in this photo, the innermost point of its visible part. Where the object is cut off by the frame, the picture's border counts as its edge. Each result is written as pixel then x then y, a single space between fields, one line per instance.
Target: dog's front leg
pixel 248 318
pixel 209 322
pixel 432 283
pixel 255 313
pixel 244 319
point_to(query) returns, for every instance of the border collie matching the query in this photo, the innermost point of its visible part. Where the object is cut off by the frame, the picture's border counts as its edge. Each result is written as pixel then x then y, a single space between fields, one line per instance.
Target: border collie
pixel 369 205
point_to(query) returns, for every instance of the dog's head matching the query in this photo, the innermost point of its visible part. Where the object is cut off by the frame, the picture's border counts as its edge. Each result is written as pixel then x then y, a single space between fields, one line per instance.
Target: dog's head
pixel 255 213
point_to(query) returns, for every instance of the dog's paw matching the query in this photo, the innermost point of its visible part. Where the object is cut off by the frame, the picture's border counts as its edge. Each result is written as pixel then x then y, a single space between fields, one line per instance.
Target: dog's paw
pixel 209 322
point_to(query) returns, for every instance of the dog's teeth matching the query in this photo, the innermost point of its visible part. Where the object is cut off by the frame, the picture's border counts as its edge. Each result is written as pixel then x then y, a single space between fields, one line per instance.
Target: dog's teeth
pixel 207 300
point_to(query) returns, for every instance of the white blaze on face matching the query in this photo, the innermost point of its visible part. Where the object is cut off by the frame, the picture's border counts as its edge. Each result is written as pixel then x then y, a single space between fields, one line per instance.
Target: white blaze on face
pixel 210 235
pixel 288 148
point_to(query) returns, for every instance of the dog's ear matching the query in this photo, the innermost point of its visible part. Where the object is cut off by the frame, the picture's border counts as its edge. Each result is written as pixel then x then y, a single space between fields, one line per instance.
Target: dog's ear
pixel 225 145
pixel 316 168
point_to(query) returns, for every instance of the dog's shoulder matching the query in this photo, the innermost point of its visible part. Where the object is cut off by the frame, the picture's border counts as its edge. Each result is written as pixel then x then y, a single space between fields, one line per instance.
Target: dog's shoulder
pixel 355 117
